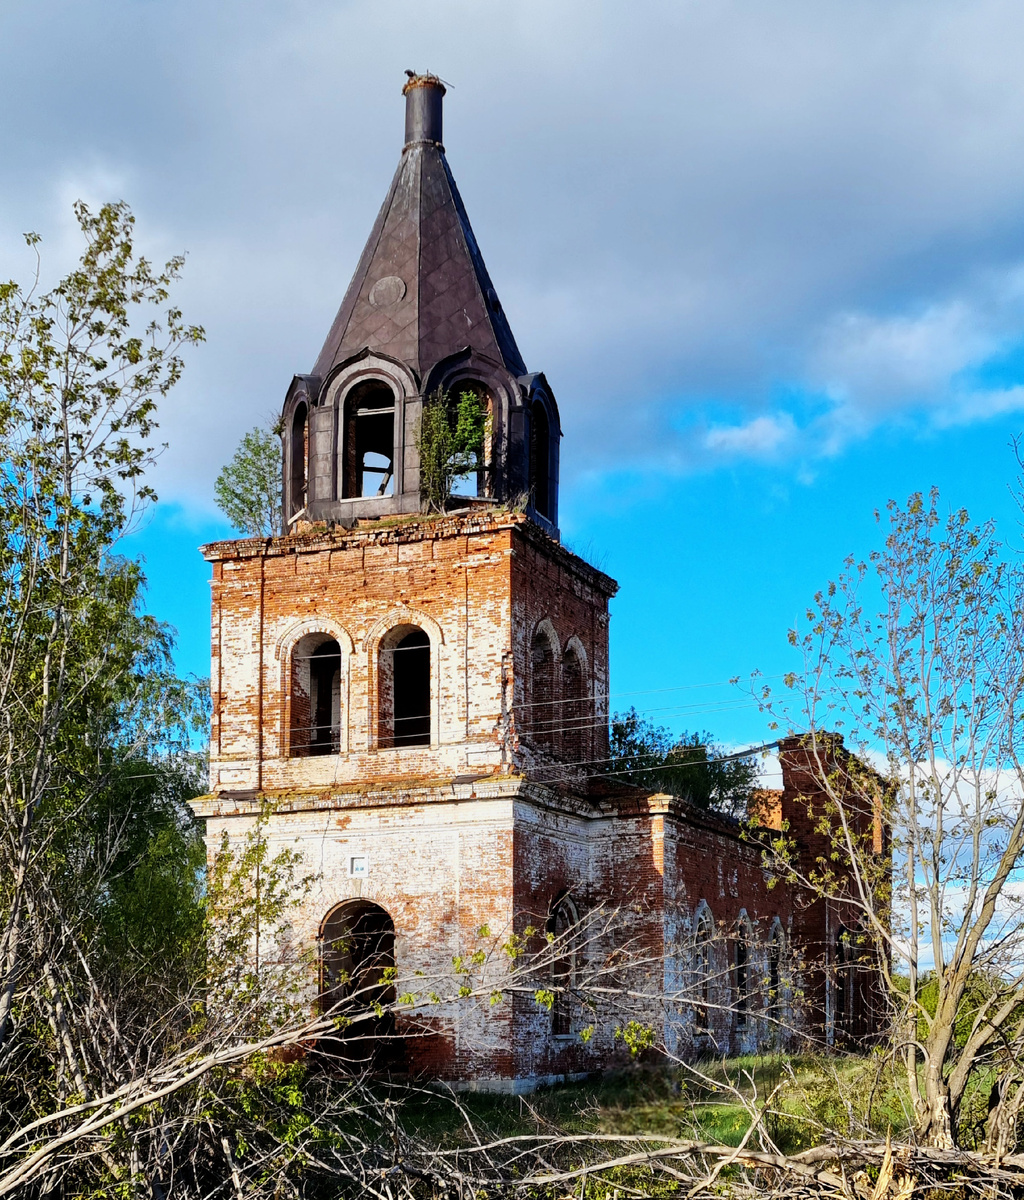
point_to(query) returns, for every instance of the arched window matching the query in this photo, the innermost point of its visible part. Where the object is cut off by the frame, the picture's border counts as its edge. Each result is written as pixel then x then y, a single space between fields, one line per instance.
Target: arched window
pixel 703 966
pixel 742 971
pixel 561 928
pixel 369 441
pixel 773 1001
pixel 403 672
pixel 575 715
pixel 543 723
pixel 298 457
pixel 357 963
pixel 846 953
pixel 540 459
pixel 315 696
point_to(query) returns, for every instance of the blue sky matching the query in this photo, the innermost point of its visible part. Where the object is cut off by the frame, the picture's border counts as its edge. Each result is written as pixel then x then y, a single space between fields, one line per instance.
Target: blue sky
pixel 770 257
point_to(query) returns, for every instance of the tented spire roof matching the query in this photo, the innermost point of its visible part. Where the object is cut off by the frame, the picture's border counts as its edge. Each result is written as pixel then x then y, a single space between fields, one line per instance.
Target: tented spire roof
pixel 421 291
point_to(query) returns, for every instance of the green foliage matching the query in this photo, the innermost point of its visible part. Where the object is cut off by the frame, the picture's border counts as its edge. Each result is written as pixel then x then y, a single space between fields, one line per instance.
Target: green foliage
pixel 688 765
pixel 450 442
pixel 101 905
pixel 248 489
pixel 637 1036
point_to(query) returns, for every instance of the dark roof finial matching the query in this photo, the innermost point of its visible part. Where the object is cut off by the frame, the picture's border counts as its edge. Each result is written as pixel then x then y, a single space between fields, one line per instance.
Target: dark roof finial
pixel 422 108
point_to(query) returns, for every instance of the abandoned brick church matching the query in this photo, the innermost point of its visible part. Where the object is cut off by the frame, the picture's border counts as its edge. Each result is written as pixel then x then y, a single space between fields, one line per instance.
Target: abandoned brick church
pixel 424 699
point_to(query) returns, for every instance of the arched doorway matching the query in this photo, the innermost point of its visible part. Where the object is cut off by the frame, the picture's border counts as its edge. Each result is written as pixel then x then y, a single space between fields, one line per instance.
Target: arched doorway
pixel 357 965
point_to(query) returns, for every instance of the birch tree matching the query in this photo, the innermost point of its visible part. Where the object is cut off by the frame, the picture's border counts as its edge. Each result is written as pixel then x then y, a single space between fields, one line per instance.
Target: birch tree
pixel 917 657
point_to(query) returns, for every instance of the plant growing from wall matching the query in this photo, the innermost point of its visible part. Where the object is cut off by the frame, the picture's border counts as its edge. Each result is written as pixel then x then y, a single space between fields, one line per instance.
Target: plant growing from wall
pixel 450 442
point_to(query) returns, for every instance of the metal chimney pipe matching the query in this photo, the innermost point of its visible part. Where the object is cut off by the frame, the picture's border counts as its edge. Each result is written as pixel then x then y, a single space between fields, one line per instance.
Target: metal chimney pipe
pixel 423 109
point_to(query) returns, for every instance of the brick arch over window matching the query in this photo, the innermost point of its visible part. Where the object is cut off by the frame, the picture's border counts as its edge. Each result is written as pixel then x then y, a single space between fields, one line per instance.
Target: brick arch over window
pixel 576 709
pixel 563 920
pixel 357 955
pixel 543 711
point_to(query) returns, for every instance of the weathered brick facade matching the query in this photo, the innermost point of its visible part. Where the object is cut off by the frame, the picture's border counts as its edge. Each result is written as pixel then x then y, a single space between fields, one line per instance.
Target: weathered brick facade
pixel 423 700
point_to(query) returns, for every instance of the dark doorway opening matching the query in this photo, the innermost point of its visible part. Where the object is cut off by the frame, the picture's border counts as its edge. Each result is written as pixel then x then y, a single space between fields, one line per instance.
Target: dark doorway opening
pixel 357 985
pixel 846 954
pixel 369 452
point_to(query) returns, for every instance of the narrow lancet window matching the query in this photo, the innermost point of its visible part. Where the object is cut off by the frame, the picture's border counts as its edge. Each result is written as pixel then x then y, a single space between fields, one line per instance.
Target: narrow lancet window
pixel 742 981
pixel 561 930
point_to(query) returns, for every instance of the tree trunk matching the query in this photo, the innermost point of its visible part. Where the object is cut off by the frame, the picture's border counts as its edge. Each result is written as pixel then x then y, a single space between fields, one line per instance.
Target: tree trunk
pixel 935 1121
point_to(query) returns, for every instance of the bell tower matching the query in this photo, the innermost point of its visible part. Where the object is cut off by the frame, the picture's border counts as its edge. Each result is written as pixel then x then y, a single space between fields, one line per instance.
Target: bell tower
pixel 421 315
pixel 419 699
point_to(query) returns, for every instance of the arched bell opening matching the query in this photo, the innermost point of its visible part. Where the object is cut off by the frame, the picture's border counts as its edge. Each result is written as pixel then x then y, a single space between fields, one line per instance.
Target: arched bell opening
pixel 403 677
pixel 357 985
pixel 542 720
pixel 315 697
pixel 298 457
pixel 479 481
pixel 540 459
pixel 368 455
pixel 576 719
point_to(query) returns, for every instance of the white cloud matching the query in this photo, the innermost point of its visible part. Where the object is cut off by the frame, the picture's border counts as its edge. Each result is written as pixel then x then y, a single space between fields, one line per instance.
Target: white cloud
pixel 763 437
